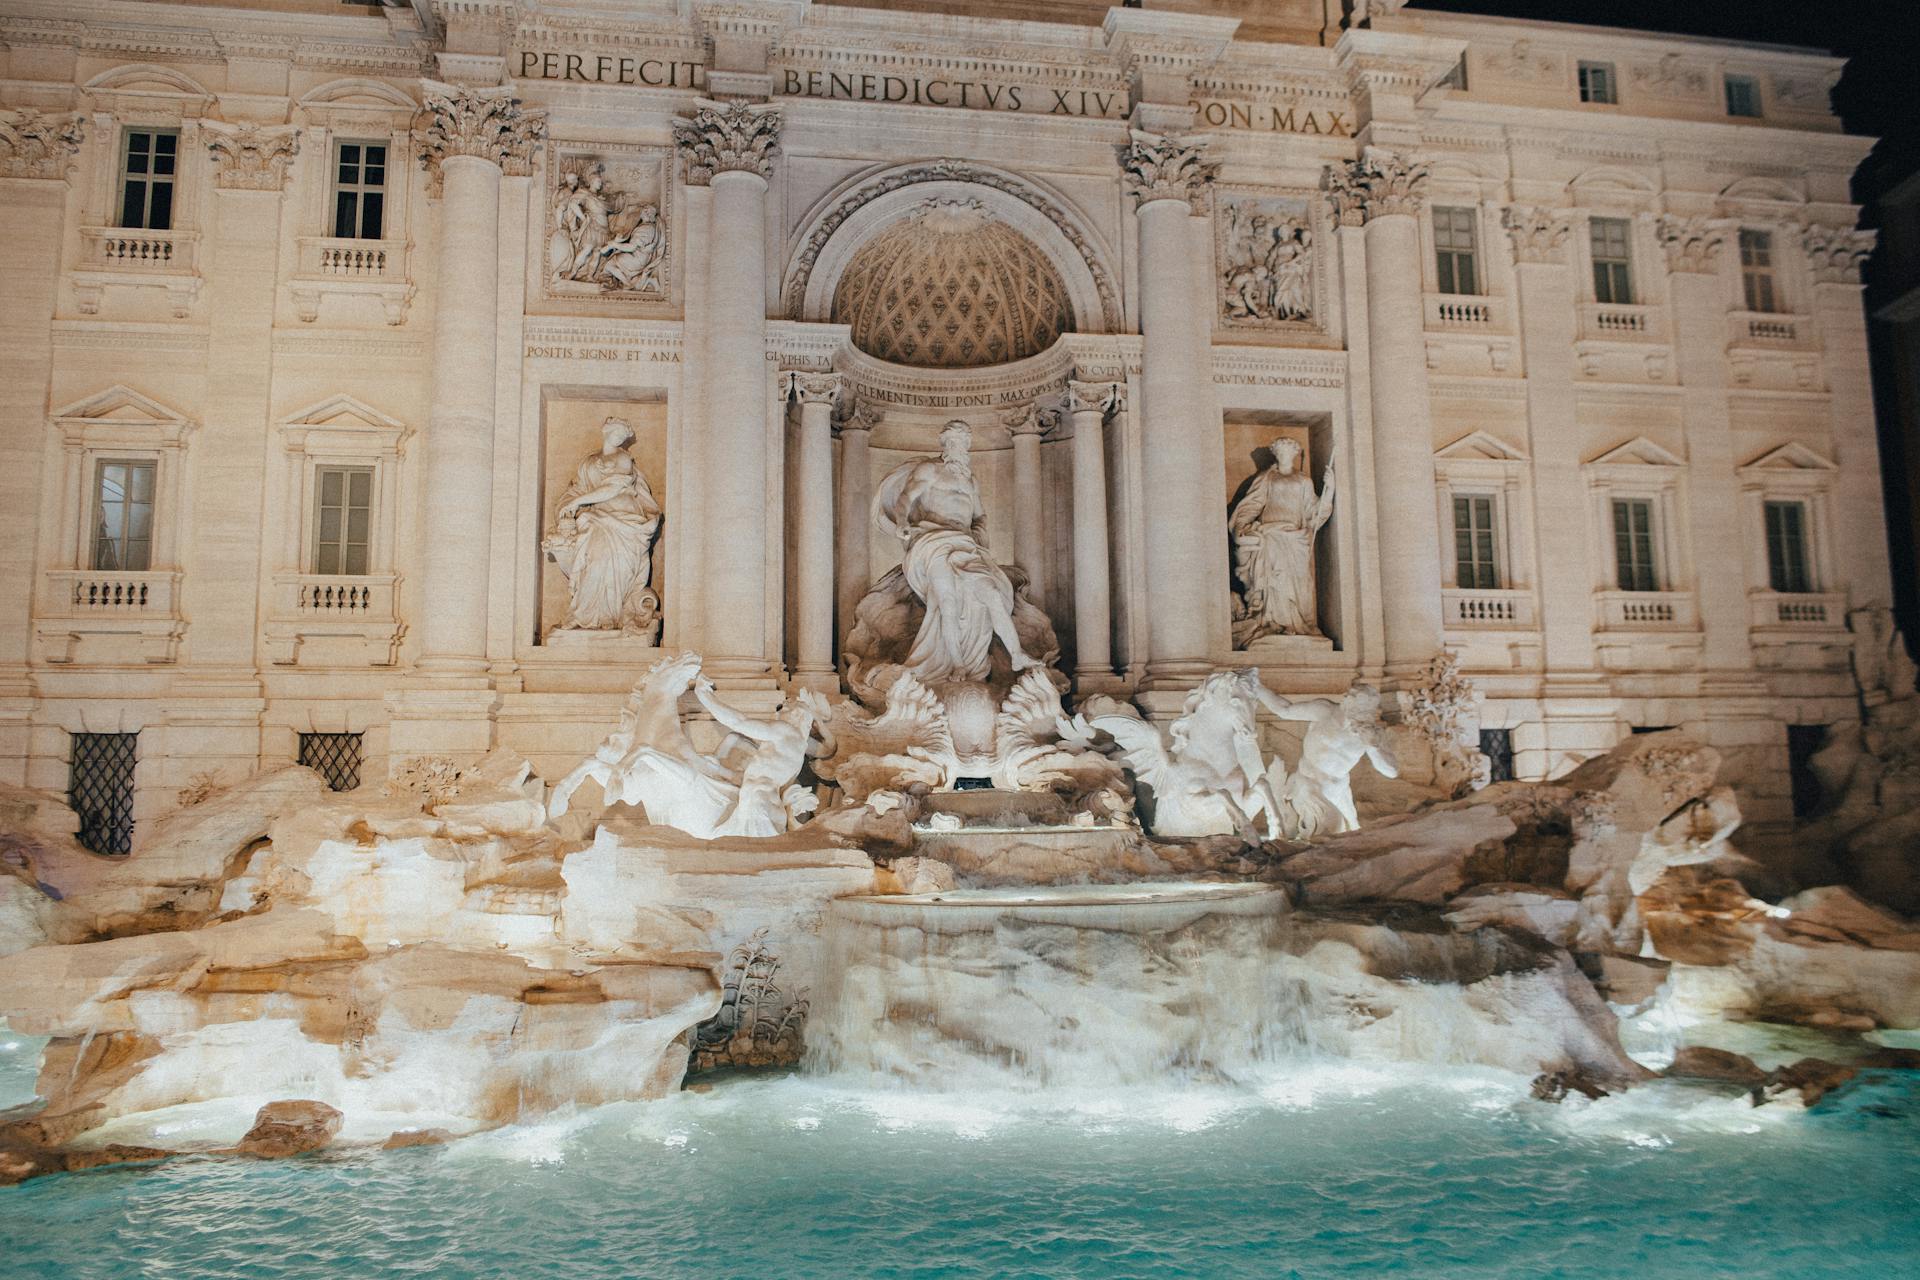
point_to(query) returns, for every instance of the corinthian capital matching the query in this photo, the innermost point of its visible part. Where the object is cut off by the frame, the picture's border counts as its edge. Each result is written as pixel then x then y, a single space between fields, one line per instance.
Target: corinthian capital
pixel 1377 184
pixel 1539 235
pixel 1692 244
pixel 487 124
pixel 37 146
pixel 1095 397
pixel 813 388
pixel 250 157
pixel 1161 168
pixel 724 138
pixel 1835 254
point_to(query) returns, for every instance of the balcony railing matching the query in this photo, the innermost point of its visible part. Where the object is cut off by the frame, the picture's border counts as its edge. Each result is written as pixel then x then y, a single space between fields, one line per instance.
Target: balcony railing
pixel 138 250
pixel 103 593
pixel 350 598
pixel 1647 611
pixel 1797 610
pixel 1457 312
pixel 1466 608
pixel 1770 329
pixel 331 258
pixel 1621 322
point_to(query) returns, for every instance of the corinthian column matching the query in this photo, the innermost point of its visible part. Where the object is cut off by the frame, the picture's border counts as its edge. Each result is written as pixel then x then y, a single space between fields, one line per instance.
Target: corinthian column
pixel 731 149
pixel 470 134
pixel 36 152
pixel 813 575
pixel 1088 404
pixel 1381 192
pixel 1183 454
pixel 852 553
pixel 1029 519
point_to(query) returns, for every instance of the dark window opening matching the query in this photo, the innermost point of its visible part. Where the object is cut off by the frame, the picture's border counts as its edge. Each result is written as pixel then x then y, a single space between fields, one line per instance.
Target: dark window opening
pixel 1803 740
pixel 1497 746
pixel 100 789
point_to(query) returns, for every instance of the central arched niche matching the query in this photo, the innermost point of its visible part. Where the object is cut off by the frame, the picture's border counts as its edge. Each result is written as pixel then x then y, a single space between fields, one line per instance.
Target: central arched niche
pixel 951 286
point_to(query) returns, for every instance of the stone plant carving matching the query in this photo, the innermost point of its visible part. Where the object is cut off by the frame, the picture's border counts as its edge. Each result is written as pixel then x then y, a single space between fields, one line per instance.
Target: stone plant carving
pixel 35 145
pixel 1274 525
pixel 1539 235
pixel 605 234
pixel 602 539
pixel 1836 254
pixel 728 138
pixel 250 157
pixel 746 788
pixel 1161 168
pixel 1444 707
pixel 1692 244
pixel 488 124
pixel 1379 183
pixel 1267 271
pixel 759 1023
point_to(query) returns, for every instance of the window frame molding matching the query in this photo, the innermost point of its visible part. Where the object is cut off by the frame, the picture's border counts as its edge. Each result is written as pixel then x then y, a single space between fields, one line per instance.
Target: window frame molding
pixel 353 109
pixel 1480 464
pixel 1641 469
pixel 1792 472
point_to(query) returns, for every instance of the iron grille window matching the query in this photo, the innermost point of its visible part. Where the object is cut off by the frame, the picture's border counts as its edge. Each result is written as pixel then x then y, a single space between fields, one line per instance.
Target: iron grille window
pixel 123 516
pixel 343 514
pixel 1612 261
pixel 1633 544
pixel 1596 82
pixel 100 789
pixel 1787 547
pixel 1497 746
pixel 148 161
pixel 1756 269
pixel 1473 543
pixel 1456 249
pixel 359 189
pixel 334 756
pixel 1743 96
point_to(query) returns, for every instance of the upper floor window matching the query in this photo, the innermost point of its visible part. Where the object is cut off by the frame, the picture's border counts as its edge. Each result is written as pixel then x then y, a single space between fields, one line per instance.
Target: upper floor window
pixel 342 519
pixel 123 516
pixel 359 190
pixel 1456 251
pixel 1633 546
pixel 1612 260
pixel 148 163
pixel 1597 82
pixel 1787 569
pixel 1756 269
pixel 1743 96
pixel 1473 539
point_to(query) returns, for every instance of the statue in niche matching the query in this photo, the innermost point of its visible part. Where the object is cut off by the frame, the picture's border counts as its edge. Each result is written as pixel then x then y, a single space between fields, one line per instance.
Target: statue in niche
pixel 605 237
pixel 1316 799
pixel 933 506
pixel 1269 265
pixel 602 539
pixel 1274 525
pixel 746 788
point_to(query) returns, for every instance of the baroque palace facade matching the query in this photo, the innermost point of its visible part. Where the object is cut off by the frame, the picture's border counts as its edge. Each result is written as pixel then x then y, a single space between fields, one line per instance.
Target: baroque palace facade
pixel 396 383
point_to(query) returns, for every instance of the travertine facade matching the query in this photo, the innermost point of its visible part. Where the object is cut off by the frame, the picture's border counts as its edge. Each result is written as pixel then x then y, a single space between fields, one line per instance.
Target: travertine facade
pixel 1591 373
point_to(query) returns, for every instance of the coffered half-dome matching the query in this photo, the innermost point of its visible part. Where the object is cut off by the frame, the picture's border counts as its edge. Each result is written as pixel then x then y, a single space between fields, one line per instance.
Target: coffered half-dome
pixel 952 287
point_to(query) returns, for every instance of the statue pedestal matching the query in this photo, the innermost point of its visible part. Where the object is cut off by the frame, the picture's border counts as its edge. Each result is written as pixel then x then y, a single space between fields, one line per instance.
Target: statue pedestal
pixel 1289 651
pixel 619 647
pixel 996 837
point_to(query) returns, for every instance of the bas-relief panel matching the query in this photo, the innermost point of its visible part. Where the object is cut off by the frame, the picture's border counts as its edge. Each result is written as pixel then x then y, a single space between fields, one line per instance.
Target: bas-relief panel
pixel 606 235
pixel 573 432
pixel 1266 248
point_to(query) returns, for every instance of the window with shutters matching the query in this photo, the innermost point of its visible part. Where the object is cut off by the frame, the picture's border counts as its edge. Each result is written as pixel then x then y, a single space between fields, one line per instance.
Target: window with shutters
pixel 342 519
pixel 1456 249
pixel 1787 562
pixel 1473 542
pixel 359 189
pixel 1612 260
pixel 1633 544
pixel 100 789
pixel 1597 82
pixel 149 160
pixel 1756 270
pixel 123 516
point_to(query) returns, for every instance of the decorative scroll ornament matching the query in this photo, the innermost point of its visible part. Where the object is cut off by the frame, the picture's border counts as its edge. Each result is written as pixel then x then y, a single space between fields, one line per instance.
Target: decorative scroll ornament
pixel 1836 254
pixel 33 145
pixel 814 388
pixel 1379 183
pixel 1673 77
pixel 1539 235
pixel 1692 244
pixel 1162 168
pixel 250 157
pixel 1101 397
pixel 726 138
pixel 487 124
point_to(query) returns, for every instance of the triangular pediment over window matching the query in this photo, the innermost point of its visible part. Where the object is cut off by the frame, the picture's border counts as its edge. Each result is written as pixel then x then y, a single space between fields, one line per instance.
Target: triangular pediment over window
pixel 1792 456
pixel 1638 452
pixel 1479 446
pixel 344 422
pixel 123 414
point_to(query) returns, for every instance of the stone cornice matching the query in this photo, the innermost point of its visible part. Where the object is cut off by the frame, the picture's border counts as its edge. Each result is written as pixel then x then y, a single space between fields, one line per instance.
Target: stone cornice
pixel 1376 185
pixel 487 124
pixel 728 138
pixel 34 145
pixel 250 157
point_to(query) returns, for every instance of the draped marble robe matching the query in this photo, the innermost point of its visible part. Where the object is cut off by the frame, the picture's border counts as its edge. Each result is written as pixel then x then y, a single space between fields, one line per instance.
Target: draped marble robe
pixel 1274 525
pixel 604 538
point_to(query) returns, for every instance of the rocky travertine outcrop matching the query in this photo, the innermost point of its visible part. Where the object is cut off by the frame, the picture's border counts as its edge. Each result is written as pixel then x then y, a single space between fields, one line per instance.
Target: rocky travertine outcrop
pixel 433 958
